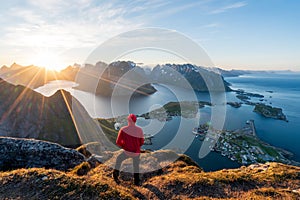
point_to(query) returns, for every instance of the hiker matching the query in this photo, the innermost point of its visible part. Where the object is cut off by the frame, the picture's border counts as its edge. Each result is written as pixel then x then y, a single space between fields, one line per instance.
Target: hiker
pixel 130 139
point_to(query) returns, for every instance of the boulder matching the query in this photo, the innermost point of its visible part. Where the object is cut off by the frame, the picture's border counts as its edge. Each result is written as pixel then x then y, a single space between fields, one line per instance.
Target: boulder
pixel 18 153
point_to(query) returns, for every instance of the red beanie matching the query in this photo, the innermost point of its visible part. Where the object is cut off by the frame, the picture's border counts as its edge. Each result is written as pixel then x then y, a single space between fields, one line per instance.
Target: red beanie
pixel 133 117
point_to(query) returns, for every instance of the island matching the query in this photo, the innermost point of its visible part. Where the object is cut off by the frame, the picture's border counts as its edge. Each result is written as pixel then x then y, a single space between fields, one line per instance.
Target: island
pixel 235 104
pixel 186 109
pixel 242 97
pixel 243 146
pixel 260 108
pixel 246 96
pixel 269 111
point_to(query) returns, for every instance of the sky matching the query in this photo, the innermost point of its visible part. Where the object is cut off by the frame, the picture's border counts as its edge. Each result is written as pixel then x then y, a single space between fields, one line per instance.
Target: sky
pixel 249 34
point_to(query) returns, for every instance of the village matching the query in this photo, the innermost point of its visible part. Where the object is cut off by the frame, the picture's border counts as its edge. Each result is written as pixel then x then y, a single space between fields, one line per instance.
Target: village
pixel 242 145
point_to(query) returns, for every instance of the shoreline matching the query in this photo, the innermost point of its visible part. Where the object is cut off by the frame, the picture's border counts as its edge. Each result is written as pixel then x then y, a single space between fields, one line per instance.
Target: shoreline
pixel 257 151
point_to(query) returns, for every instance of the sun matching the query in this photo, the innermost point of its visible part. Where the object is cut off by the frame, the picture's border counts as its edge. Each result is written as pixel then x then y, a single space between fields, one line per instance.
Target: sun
pixel 49 60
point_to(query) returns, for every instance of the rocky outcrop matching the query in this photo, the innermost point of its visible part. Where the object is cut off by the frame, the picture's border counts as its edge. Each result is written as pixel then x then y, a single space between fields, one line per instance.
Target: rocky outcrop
pixel 28 153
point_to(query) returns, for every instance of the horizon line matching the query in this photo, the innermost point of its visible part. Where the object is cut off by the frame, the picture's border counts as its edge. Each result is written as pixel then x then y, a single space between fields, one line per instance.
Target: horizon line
pixel 152 65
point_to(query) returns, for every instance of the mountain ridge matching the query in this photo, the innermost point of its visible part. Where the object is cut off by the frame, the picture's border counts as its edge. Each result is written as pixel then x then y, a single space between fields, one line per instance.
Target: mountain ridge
pixel 28 114
pixel 102 77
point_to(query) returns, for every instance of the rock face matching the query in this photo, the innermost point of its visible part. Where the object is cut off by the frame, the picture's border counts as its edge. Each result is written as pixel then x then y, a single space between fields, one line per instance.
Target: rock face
pixel 28 153
pixel 199 78
pixel 25 113
pixel 102 79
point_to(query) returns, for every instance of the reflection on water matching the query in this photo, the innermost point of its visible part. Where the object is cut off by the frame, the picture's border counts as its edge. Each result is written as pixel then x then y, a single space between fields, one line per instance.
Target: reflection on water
pixel 50 88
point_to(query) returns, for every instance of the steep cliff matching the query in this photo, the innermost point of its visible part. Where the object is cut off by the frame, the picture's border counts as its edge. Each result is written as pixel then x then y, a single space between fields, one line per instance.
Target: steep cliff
pixel 25 113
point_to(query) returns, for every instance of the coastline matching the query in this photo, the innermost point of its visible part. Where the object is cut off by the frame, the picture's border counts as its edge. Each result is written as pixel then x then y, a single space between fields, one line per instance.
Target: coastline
pixel 241 146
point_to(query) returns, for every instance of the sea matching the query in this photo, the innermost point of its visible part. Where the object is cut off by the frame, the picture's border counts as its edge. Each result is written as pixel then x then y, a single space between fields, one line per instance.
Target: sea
pixel 279 89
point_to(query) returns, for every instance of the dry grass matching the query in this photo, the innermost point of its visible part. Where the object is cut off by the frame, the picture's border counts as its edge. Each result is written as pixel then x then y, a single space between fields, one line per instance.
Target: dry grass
pixel 39 183
pixel 177 180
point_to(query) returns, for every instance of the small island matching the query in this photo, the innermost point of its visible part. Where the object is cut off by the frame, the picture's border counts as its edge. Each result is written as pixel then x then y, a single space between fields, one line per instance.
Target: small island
pixel 260 108
pixel 186 109
pixel 269 111
pixel 245 97
pixel 235 104
pixel 248 94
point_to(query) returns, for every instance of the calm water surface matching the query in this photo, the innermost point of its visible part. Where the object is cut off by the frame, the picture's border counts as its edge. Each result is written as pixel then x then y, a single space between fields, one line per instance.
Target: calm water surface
pixel 280 90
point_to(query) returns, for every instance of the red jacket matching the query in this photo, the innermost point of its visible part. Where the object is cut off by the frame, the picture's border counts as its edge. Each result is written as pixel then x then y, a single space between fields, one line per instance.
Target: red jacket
pixel 131 138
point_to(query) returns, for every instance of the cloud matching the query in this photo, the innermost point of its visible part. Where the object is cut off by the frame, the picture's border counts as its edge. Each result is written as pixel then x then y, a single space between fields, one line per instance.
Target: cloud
pixel 65 24
pixel 57 5
pixel 178 8
pixel 229 7
pixel 82 23
pixel 212 25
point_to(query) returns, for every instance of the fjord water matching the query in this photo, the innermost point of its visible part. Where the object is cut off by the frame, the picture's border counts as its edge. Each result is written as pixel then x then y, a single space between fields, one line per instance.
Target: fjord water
pixel 280 90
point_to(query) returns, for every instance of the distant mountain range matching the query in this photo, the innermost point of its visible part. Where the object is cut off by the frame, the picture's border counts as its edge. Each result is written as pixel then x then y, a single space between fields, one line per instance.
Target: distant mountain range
pixel 236 72
pixel 25 113
pixel 33 76
pixel 102 78
pixel 200 78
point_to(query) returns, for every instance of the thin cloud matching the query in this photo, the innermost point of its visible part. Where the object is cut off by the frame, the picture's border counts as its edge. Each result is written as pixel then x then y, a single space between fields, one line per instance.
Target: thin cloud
pixel 229 7
pixel 212 25
pixel 179 8
pixel 66 26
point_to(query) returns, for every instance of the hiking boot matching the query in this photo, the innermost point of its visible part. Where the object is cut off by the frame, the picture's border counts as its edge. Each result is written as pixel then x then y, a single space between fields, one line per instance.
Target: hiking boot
pixel 116 176
pixel 137 179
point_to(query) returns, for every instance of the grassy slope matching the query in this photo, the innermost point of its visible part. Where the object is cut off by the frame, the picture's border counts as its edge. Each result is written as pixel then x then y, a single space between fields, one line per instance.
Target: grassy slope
pixel 51 184
pixel 179 180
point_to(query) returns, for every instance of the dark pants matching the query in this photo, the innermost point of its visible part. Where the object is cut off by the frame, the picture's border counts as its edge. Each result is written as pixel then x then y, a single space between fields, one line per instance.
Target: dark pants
pixel 135 161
